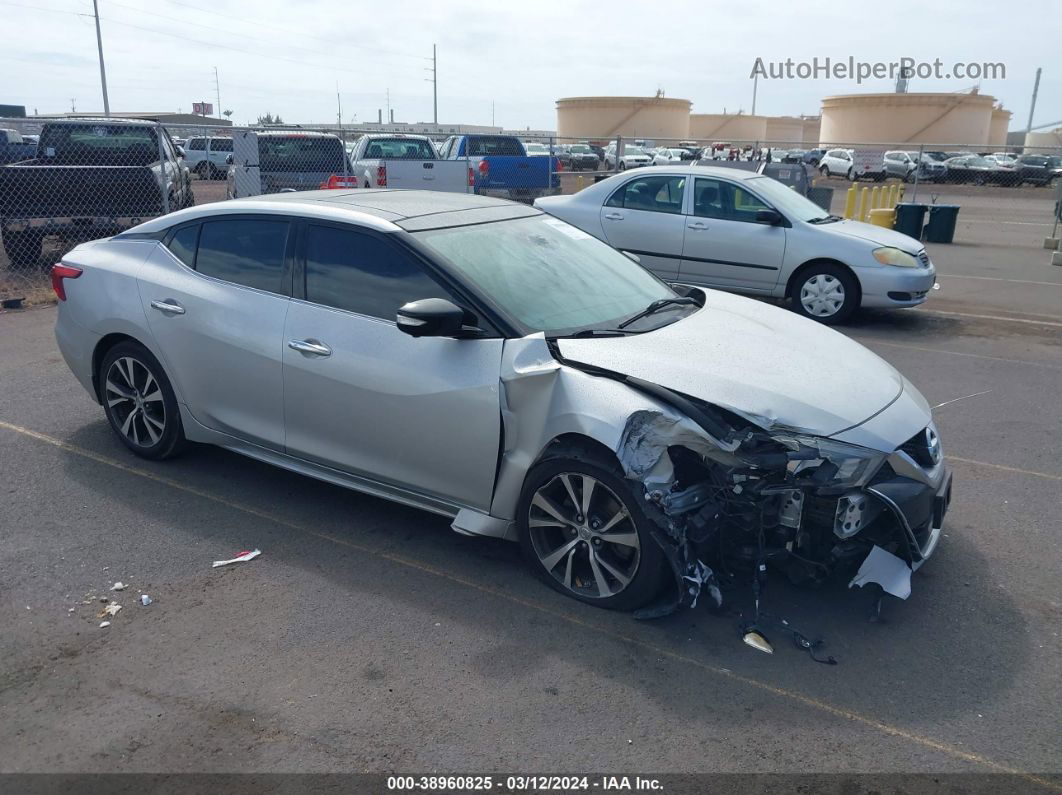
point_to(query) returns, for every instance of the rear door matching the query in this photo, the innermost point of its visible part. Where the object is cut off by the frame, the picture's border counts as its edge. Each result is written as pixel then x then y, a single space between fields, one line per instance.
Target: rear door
pixel 362 396
pixel 216 297
pixel 724 246
pixel 643 216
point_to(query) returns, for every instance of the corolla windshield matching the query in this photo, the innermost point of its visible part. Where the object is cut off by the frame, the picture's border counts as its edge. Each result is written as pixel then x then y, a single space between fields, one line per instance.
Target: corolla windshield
pixel 549 276
pixel 784 199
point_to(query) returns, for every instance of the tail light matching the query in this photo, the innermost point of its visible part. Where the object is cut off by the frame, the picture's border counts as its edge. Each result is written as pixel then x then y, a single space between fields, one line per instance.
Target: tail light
pixel 471 177
pixel 484 169
pixel 381 176
pixel 60 272
pixel 335 182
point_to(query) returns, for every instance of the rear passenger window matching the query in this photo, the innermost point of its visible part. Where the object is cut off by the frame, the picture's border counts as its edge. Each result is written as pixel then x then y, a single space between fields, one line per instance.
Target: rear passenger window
pixel 221 145
pixel 363 273
pixel 244 251
pixel 183 243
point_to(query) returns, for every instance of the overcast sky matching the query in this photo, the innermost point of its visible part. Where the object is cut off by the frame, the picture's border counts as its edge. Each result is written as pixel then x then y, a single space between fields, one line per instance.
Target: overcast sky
pixel 288 57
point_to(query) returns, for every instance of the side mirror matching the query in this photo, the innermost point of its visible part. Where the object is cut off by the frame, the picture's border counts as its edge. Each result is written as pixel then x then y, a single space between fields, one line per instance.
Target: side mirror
pixel 431 317
pixel 228 160
pixel 180 152
pixel 769 217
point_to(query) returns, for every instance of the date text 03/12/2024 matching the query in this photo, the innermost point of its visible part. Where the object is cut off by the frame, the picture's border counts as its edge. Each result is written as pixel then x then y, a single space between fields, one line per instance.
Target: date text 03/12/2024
pixel 535 783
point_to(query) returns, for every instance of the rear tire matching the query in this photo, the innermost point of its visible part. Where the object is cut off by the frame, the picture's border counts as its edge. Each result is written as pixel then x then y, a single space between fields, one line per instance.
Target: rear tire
pixel 139 402
pixel 623 573
pixel 23 249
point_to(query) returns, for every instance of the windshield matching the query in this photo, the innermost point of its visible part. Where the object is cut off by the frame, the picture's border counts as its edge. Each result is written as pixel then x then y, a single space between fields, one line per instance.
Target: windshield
pixel 580 149
pixel 301 153
pixel 399 149
pixel 549 276
pixel 978 161
pixel 634 150
pixel 785 199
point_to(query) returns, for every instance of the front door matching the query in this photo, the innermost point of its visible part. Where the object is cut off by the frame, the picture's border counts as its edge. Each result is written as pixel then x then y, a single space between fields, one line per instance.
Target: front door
pixel 644 217
pixel 362 396
pixel 724 245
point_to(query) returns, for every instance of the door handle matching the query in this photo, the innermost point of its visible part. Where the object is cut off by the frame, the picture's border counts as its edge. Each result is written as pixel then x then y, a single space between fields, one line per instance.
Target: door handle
pixel 614 216
pixel 311 347
pixel 697 225
pixel 168 307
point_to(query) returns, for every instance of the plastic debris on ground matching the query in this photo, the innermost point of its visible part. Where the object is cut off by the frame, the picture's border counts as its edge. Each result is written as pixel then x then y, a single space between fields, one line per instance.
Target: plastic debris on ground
pixel 243 557
pixel 119 586
pixel 110 610
pixel 890 572
pixel 145 600
pixel 104 624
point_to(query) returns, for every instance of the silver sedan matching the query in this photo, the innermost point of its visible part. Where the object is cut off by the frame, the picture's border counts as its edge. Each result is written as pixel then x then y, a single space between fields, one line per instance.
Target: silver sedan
pixel 737 230
pixel 484 361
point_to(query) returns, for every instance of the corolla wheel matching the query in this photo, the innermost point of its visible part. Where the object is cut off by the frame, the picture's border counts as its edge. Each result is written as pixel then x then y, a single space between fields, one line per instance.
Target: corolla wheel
pixel 822 295
pixel 135 402
pixel 584 535
pixel 139 402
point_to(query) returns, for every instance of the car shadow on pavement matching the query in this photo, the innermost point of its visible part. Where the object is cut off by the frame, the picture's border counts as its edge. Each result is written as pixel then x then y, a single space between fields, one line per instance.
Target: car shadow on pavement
pixel 959 641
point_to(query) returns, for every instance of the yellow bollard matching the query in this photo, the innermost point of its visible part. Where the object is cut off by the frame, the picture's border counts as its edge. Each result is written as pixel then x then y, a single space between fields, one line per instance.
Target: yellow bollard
pixel 900 197
pixel 893 191
pixel 883 216
pixel 850 202
pixel 875 198
pixel 579 183
pixel 863 204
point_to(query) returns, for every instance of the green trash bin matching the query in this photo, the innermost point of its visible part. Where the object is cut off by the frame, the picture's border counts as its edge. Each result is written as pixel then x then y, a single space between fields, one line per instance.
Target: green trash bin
pixel 822 197
pixel 909 218
pixel 942 220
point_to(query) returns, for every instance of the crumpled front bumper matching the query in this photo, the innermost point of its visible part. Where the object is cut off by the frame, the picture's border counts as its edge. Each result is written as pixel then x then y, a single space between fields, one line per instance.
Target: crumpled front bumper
pixel 918 508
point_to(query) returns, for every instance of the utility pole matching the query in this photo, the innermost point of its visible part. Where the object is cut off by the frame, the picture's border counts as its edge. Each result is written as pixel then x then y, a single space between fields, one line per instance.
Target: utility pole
pixel 755 85
pixel 339 107
pixel 492 113
pixel 217 90
pixel 1032 105
pixel 388 105
pixel 103 72
pixel 434 85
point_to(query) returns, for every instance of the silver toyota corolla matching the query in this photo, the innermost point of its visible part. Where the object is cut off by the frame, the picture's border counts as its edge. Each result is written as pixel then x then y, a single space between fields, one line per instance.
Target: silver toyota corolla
pixel 481 360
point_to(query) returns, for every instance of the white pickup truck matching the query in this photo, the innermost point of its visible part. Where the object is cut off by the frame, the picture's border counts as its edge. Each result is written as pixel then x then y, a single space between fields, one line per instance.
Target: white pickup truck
pixel 407 161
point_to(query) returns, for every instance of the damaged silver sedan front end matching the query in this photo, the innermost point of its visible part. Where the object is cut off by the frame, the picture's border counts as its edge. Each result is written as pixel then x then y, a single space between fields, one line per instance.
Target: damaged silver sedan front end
pixel 802 451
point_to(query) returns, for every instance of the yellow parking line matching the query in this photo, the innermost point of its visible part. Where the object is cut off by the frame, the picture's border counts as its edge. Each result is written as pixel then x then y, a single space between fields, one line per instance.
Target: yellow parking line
pixel 1016 470
pixel 791 695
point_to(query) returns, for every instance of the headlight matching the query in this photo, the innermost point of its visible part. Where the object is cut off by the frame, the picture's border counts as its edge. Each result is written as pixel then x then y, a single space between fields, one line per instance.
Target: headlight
pixel 893 256
pixel 855 465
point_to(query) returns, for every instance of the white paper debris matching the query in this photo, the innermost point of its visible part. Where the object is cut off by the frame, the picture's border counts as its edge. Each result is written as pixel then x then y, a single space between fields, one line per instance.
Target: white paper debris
pixel 890 572
pixel 243 557
pixel 119 586
pixel 104 624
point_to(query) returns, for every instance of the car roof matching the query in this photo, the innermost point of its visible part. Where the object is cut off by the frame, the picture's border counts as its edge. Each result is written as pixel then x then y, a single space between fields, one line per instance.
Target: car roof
pixel 383 209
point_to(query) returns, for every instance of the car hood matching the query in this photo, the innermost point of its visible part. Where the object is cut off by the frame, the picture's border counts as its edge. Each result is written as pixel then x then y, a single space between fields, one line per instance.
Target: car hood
pixel 873 234
pixel 765 363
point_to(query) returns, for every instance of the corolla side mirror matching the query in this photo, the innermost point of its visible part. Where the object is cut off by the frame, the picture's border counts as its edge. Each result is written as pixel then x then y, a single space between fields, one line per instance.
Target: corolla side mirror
pixel 432 317
pixel 769 217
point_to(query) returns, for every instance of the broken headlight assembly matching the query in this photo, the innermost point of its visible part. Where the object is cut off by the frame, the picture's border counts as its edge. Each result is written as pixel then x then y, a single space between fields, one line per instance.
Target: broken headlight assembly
pixel 829 463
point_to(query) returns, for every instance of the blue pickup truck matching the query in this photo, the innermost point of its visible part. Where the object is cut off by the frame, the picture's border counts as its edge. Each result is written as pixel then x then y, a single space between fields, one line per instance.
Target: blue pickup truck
pixel 500 166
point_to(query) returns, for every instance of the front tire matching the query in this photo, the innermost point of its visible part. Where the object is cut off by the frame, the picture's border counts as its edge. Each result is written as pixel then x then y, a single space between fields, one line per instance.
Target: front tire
pixel 584 533
pixel 825 292
pixel 139 402
pixel 825 171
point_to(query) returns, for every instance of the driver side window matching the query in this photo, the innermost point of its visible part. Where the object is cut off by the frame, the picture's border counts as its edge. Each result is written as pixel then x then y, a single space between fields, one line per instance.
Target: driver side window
pixel 714 198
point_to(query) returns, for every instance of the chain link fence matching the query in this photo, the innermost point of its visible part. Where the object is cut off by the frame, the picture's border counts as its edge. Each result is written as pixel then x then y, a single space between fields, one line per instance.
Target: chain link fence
pixel 66 181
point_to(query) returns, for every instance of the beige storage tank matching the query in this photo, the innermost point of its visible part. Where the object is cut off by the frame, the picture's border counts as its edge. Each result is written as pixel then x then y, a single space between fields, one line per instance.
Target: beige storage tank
pixel 728 127
pixel 950 119
pixel 1046 138
pixel 998 126
pixel 631 117
pixel 784 130
pixel 811 132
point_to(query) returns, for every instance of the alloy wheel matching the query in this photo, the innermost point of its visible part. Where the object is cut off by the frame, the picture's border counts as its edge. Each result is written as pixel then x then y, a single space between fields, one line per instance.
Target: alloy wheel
pixel 584 535
pixel 822 295
pixel 135 402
